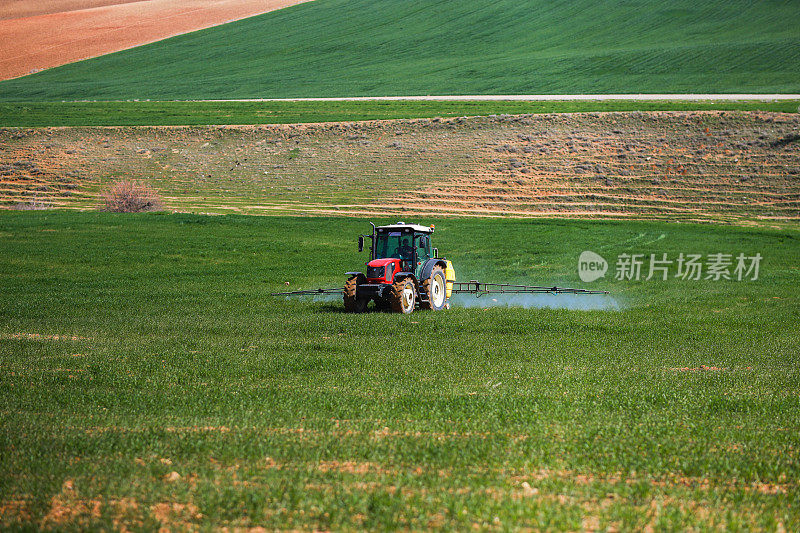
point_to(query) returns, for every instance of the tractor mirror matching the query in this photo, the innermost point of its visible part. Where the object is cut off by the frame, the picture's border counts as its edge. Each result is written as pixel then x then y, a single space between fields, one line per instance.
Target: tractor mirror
pixel 360 243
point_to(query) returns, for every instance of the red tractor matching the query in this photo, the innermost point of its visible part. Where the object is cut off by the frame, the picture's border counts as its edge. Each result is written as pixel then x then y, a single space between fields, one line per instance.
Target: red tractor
pixel 403 272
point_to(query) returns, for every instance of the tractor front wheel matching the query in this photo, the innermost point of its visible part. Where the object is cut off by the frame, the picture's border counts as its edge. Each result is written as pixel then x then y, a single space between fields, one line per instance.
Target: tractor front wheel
pixel 435 289
pixel 352 303
pixel 404 296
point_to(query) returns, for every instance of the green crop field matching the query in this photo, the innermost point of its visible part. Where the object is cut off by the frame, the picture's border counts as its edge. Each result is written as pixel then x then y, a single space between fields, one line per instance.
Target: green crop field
pixel 149 379
pixel 165 113
pixel 384 47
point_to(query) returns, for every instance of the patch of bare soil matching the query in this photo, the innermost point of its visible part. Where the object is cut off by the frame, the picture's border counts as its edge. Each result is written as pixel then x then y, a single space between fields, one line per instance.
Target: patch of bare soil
pixel 40 35
pixel 13 9
pixel 175 515
pixel 69 510
pixel 39 336
pixel 14 511
pixel 689 166
pixel 528 481
pixel 701 368
pixel 347 467
pixel 67 507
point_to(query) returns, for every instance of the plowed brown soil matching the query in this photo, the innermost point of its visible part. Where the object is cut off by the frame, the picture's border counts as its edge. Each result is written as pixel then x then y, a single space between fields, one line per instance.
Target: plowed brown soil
pixel 40 35
pixel 12 9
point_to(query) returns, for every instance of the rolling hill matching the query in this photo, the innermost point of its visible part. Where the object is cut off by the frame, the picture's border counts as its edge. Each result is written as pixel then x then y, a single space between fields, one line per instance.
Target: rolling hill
pixel 714 166
pixel 382 47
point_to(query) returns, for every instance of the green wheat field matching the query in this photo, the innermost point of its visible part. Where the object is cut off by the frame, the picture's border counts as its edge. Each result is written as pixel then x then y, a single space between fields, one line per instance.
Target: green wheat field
pixel 149 379
pixel 439 47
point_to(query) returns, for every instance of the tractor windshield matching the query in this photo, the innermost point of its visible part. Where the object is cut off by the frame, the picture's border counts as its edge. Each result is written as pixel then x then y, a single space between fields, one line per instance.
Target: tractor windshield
pixel 393 244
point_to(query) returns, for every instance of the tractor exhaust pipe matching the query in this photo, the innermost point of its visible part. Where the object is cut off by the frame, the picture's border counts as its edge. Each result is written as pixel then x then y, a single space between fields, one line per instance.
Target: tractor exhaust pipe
pixel 372 247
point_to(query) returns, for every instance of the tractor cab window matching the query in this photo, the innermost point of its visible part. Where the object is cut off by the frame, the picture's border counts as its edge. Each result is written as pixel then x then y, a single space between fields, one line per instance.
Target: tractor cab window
pixel 394 244
pixel 423 248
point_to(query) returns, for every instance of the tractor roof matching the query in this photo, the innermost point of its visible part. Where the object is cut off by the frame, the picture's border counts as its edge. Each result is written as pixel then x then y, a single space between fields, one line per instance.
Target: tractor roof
pixel 399 226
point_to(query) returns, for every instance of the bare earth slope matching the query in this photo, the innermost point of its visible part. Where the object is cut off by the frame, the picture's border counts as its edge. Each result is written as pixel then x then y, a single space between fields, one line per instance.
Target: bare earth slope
pixel 691 166
pixel 47 34
pixel 14 9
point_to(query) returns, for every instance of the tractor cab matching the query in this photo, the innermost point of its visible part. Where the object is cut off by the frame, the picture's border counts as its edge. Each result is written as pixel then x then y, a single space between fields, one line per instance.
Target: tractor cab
pixel 409 244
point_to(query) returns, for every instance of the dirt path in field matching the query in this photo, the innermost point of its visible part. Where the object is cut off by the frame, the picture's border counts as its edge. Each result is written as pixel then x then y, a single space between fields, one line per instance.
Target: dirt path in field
pixel 690 166
pixel 40 35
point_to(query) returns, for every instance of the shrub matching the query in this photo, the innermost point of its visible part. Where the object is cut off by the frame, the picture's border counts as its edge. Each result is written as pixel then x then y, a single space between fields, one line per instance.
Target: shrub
pixel 130 196
pixel 785 140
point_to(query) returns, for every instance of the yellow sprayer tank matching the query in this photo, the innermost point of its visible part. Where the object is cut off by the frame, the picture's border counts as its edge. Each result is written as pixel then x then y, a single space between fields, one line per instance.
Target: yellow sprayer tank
pixel 450 276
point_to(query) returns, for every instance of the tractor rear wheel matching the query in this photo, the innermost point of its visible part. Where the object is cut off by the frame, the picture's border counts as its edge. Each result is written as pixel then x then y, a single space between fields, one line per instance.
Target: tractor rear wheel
pixel 435 289
pixel 352 303
pixel 404 296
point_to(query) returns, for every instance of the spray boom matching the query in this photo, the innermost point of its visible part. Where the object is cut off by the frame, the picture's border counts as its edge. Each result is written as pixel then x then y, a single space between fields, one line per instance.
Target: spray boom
pixel 479 289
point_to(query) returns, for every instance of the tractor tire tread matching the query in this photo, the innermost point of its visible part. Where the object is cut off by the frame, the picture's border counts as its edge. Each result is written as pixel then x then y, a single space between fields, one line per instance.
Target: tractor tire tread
pixel 351 302
pixel 396 299
pixel 425 300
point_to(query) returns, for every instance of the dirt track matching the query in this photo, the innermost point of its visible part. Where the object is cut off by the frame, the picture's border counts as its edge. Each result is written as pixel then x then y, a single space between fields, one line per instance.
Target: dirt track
pixel 690 166
pixel 37 36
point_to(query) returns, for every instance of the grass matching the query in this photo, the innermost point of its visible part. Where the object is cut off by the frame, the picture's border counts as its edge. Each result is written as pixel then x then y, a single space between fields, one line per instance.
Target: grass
pixel 369 47
pixel 134 346
pixel 43 114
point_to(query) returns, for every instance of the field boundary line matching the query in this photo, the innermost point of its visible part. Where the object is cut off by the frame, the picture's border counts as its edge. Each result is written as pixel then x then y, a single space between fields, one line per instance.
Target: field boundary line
pixel 516 97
